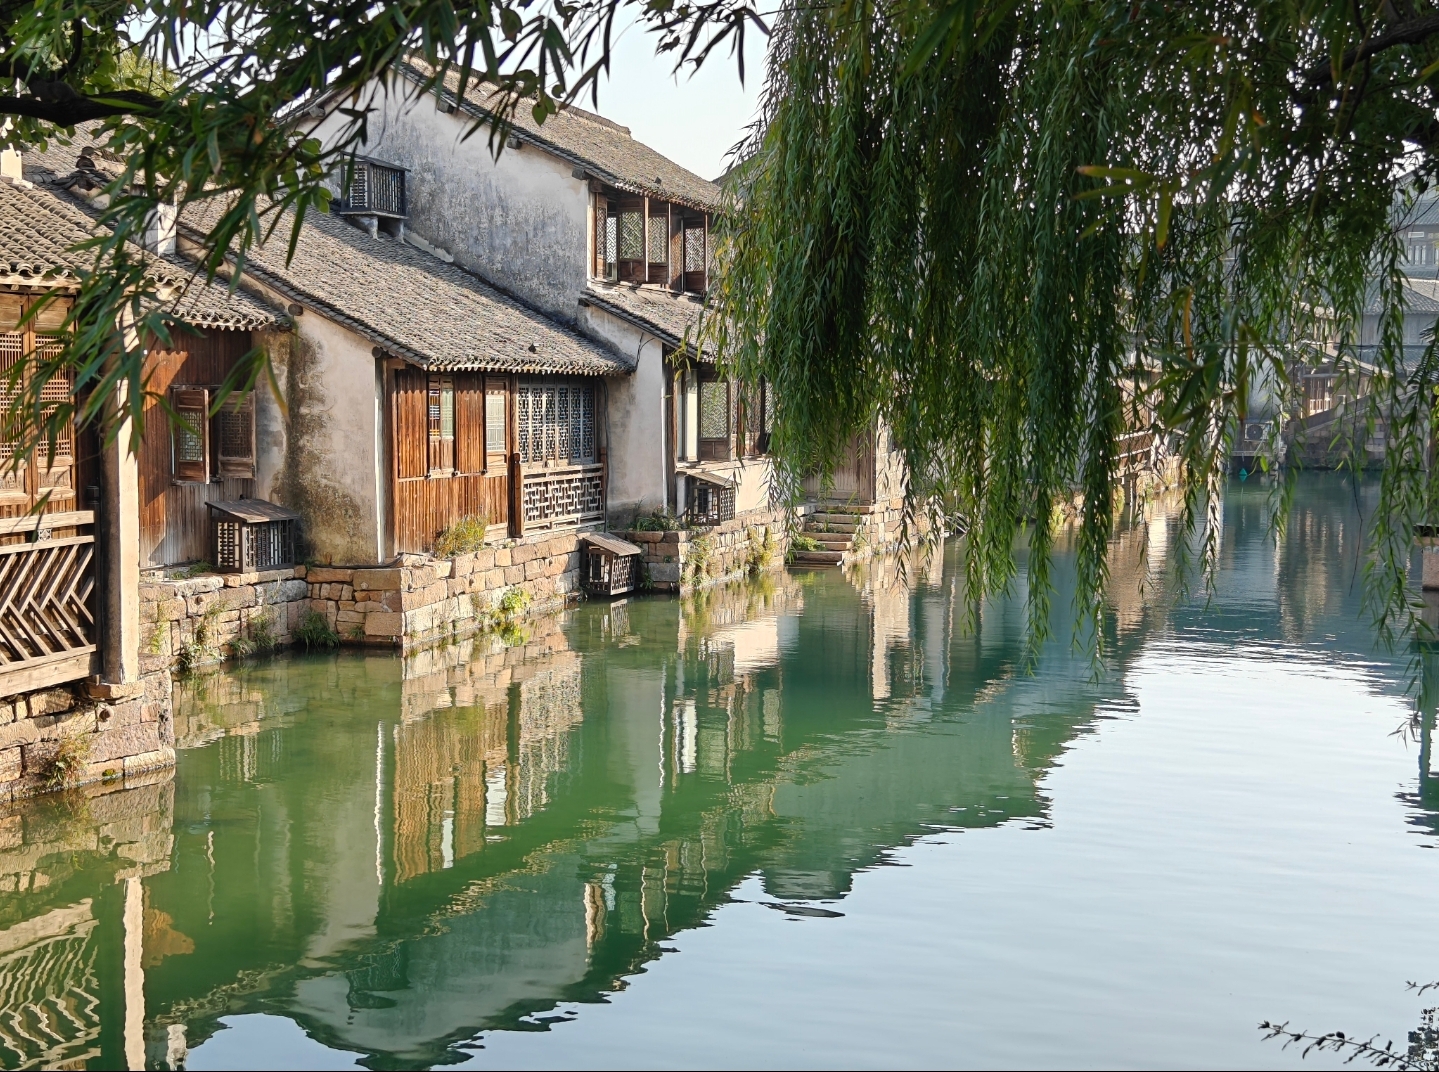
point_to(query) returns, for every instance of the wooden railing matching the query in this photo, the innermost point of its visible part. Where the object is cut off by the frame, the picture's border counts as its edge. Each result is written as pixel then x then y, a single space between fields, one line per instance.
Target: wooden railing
pixel 1136 450
pixel 48 630
pixel 568 495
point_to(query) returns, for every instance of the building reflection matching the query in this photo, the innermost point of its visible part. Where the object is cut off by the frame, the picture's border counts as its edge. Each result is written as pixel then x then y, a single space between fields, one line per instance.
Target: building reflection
pixel 77 929
pixel 400 854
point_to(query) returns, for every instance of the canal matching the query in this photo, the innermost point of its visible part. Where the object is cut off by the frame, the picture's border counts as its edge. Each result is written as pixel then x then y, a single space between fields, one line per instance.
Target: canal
pixel 810 821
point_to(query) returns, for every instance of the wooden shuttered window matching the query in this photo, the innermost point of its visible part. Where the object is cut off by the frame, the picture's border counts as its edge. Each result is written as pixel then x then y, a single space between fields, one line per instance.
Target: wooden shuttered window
pixel 439 424
pixel 234 437
pixel 205 446
pixel 25 350
pixel 440 414
pixel 190 435
pixel 497 425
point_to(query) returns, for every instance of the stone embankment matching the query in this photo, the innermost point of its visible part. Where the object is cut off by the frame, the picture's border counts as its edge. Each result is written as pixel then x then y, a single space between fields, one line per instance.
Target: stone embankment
pixel 80 734
pixel 191 621
pixel 685 559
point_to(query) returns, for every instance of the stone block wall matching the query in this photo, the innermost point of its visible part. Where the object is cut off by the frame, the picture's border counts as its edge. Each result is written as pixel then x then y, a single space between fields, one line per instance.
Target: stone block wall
pixel 79 735
pixel 686 559
pixel 189 621
pixel 192 621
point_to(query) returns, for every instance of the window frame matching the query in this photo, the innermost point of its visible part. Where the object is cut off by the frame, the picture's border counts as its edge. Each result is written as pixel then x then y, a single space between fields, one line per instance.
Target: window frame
pixel 190 398
pixel 497 459
pixel 437 386
pixel 715 448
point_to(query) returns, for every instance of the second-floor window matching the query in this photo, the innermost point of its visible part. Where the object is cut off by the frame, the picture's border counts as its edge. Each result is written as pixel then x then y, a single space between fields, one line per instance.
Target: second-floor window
pixel 714 420
pixel 639 241
pixel 375 189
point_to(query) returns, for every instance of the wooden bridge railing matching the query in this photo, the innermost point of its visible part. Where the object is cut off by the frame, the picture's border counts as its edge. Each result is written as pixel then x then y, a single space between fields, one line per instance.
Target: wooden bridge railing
pixel 48 595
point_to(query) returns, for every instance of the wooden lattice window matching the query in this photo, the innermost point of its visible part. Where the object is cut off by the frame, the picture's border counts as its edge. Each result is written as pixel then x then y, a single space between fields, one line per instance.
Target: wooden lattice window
pixel 497 425
pixel 632 235
pixel 441 417
pixel 714 420
pixel 190 435
pixel 377 189
pixel 235 437
pixel 756 418
pixel 555 423
pixel 26 351
pixel 695 255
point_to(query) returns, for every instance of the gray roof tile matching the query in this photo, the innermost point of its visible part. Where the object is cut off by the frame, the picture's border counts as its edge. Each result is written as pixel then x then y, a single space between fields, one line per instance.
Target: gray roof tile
pixel 413 305
pixel 675 318
pixel 38 227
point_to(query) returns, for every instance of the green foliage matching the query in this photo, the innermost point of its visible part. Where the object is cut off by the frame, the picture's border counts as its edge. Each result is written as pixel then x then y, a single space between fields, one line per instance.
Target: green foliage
pixel 1016 231
pixel 697 565
pixel 314 632
pixel 514 603
pixel 657 521
pixel 464 537
pixel 258 637
pixel 199 647
pixel 195 569
pixel 759 550
pixel 67 762
pixel 801 542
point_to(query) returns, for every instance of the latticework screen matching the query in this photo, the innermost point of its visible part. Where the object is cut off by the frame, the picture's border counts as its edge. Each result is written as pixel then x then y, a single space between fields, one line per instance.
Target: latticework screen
pixel 556 422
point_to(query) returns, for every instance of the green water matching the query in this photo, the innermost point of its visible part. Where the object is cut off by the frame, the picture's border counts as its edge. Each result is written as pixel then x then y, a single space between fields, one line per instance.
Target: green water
pixel 811 822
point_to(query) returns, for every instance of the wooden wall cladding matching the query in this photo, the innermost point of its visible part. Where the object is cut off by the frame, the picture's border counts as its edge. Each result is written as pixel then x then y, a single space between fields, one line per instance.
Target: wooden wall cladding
pixel 174 524
pixel 424 506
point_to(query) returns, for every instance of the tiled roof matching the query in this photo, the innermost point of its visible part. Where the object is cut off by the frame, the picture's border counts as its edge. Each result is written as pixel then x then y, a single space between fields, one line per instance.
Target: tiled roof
pixel 1420 296
pixel 675 318
pixel 413 305
pixel 38 227
pixel 603 148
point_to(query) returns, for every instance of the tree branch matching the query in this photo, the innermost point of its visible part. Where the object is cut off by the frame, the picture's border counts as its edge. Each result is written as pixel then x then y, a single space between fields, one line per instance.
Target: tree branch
pixel 1405 33
pixel 67 113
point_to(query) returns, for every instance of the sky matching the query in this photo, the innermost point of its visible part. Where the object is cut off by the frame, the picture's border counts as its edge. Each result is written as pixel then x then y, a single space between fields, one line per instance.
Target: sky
pixel 693 120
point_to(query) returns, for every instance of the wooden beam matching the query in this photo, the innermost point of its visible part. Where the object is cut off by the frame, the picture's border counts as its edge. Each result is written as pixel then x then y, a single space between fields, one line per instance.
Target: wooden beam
pixel 43 673
pixel 30 522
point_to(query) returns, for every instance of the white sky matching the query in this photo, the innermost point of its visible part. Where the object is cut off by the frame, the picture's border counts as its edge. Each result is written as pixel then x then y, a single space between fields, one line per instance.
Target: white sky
pixel 694 121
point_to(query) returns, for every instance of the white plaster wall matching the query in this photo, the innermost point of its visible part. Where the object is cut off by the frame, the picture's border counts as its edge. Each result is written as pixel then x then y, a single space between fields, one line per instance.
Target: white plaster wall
pixel 636 430
pixel 521 222
pixel 322 452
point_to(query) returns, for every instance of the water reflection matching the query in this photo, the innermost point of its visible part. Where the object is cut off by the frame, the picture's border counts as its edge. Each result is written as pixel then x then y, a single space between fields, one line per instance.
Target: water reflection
pixel 400 855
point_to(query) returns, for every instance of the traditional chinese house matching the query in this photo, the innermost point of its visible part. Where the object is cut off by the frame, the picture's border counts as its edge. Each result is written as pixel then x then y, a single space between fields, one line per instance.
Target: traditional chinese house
pixel 604 234
pixel 418 396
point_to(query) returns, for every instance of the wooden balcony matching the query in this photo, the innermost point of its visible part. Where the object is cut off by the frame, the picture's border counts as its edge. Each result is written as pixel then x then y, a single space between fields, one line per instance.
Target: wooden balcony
pixel 48 629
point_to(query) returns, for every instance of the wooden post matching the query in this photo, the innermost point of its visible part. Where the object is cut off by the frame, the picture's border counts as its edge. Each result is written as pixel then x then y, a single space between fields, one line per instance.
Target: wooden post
pixel 120 496
pixel 517 497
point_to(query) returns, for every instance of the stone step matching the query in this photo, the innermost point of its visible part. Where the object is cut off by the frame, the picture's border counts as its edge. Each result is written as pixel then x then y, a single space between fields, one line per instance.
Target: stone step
pixel 842 510
pixel 818 558
pixel 830 523
pixel 833 541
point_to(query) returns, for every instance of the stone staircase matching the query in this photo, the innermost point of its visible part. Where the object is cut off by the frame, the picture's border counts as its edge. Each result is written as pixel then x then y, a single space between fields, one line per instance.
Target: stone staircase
pixel 833 528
